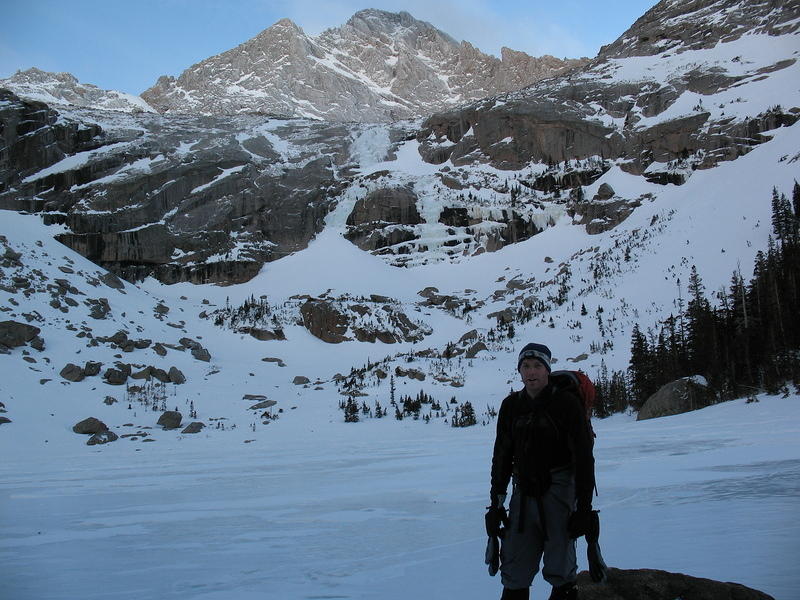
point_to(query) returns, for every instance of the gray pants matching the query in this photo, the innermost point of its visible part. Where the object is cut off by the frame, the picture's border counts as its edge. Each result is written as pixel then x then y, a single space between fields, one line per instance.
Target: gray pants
pixel 522 551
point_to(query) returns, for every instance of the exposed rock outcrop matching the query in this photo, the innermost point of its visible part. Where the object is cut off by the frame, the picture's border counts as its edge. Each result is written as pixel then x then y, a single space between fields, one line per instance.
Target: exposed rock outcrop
pixel 343 320
pixel 324 321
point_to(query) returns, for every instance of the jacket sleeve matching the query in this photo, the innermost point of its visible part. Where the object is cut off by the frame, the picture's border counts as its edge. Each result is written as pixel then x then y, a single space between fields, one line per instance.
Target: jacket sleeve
pixel 503 455
pixel 581 442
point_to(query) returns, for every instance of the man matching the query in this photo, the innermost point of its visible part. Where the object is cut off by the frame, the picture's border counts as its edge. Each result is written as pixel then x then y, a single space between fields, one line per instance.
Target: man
pixel 543 443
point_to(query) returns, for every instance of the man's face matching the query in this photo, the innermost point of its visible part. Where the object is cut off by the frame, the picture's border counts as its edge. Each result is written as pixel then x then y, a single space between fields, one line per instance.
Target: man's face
pixel 534 374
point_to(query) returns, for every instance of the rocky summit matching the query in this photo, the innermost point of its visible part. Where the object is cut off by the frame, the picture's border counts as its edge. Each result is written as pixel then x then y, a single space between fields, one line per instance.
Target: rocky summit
pixel 377 67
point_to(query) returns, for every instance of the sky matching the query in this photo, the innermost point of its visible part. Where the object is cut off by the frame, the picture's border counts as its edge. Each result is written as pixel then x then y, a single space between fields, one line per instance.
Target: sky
pixel 126 46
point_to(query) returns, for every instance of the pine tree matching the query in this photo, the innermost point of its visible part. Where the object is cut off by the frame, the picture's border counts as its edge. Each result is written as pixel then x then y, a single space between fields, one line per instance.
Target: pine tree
pixel 640 368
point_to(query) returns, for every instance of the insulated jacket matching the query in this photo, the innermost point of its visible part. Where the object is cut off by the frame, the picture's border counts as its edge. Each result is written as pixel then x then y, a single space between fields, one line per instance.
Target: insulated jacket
pixel 561 434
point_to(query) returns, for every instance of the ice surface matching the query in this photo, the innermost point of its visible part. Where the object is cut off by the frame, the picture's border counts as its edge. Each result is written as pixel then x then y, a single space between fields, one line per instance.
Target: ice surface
pixel 386 510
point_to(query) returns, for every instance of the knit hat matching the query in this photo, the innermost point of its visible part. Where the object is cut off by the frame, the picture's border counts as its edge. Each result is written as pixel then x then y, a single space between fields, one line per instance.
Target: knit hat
pixel 537 351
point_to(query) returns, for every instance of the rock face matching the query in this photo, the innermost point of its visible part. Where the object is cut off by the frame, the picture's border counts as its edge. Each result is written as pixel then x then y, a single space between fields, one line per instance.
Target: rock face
pixel 683 395
pixel 379 66
pixel 212 212
pixel 637 584
pixel 385 217
pixel 600 111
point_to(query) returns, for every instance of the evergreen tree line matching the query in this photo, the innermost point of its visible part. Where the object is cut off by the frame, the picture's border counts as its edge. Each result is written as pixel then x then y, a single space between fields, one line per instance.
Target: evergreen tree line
pixel 748 343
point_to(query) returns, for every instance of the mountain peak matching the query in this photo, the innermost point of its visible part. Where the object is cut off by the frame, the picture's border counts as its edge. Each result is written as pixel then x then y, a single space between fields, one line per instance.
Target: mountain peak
pixel 379 66
pixel 285 24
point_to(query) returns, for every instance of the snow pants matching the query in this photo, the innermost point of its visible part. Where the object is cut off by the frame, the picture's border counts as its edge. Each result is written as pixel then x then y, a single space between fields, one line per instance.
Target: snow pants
pixel 522 551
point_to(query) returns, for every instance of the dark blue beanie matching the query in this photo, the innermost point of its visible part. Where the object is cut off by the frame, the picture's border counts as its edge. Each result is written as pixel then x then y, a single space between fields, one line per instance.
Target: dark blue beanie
pixel 537 351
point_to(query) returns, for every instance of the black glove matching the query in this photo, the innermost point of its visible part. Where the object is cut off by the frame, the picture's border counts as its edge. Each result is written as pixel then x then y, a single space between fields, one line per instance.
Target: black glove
pixel 496 518
pixel 579 523
pixel 492 557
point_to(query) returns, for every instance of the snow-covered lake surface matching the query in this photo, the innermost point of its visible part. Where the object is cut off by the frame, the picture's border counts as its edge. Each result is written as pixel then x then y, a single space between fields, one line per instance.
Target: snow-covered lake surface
pixel 381 509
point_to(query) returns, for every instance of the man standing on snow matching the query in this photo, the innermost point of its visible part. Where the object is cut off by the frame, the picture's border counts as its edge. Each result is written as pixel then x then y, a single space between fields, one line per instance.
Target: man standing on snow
pixel 543 443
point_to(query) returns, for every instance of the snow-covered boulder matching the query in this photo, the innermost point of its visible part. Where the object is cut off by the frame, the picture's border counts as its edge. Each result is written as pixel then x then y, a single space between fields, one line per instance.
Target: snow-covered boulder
pixel 680 396
pixel 630 584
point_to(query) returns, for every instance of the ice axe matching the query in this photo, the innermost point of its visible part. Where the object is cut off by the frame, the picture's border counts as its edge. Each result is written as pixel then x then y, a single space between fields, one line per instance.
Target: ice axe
pixel 597 566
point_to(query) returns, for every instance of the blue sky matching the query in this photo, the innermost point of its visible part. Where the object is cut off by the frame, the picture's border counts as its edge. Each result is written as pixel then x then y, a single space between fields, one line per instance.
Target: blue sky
pixel 126 46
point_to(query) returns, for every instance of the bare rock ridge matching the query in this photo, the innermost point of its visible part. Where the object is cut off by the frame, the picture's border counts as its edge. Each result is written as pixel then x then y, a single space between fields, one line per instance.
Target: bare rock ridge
pixel 377 67
pixel 64 88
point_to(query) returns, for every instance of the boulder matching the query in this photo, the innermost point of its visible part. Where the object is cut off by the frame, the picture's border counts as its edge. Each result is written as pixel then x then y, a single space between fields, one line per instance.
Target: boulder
pixel 112 281
pixel 14 334
pixel 301 380
pixel 411 373
pixel 475 348
pixel 143 374
pixel 170 419
pixel 190 343
pixel 4 420
pixel 159 374
pixel 680 396
pixel 176 376
pixel 89 426
pixel 272 359
pixel 115 376
pixel 652 584
pixel 604 192
pixel 103 437
pixel 263 405
pixel 120 338
pixel 201 354
pixel 92 368
pixel 194 427
pixel 72 372
pixel 469 336
pixel 99 308
pixel 266 335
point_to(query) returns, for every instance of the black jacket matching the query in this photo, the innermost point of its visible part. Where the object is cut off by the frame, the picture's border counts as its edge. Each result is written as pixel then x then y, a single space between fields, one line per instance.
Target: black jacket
pixel 562 435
